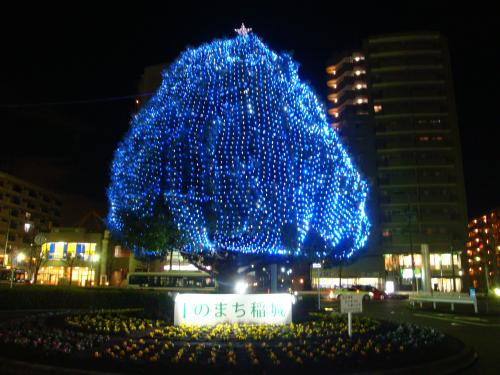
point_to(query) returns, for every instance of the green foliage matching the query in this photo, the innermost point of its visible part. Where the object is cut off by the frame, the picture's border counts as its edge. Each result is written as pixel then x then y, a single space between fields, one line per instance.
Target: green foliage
pixel 151 237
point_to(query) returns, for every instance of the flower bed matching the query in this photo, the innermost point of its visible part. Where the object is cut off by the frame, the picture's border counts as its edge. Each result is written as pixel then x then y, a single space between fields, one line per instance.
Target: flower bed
pixel 130 343
pixel 33 333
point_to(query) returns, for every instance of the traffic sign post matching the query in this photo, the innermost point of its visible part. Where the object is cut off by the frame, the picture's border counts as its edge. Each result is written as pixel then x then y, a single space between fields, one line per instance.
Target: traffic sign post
pixel 350 303
pixel 318 267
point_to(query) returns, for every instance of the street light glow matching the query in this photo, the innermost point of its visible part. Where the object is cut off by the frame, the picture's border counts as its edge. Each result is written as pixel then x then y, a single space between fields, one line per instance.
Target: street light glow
pixel 240 287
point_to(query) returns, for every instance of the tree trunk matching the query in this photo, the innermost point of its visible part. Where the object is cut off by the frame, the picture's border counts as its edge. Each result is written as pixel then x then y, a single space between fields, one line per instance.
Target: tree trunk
pixel 171 256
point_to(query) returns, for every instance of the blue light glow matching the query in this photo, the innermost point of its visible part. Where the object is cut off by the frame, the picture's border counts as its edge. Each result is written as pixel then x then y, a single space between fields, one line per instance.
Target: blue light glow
pixel 240 151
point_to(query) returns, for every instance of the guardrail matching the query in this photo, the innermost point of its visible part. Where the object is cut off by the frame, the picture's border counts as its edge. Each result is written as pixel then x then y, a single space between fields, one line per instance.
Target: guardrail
pixel 452 299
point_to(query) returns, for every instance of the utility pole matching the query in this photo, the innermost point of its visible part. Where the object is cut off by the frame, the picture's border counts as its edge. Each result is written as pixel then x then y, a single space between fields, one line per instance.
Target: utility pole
pixel 7 237
pixel 410 237
pixel 452 271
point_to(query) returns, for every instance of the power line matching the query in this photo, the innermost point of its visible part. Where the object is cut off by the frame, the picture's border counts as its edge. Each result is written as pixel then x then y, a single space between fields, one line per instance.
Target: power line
pixel 75 102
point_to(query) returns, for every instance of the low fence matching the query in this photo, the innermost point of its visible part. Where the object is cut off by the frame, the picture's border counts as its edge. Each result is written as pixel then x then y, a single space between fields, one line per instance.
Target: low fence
pixel 444 298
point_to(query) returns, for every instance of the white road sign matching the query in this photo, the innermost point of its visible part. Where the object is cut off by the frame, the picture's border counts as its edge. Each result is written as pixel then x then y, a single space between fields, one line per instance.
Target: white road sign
pixel 351 303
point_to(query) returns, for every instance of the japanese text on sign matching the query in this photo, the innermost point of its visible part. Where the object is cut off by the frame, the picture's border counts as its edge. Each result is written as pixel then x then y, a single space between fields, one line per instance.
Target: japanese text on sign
pixel 351 303
pixel 201 309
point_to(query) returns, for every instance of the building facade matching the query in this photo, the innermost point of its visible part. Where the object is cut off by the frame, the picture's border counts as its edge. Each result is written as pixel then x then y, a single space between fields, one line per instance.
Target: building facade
pixel 74 256
pixel 24 208
pixel 483 251
pixel 404 83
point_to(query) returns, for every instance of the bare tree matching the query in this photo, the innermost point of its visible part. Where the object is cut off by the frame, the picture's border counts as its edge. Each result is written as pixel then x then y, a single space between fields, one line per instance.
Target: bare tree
pixel 38 258
pixel 71 261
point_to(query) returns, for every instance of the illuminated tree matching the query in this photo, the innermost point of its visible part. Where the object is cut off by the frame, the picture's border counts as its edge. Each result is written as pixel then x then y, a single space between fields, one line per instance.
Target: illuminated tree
pixel 240 151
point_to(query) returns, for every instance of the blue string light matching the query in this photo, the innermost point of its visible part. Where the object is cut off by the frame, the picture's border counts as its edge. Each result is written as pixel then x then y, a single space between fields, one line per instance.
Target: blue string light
pixel 240 151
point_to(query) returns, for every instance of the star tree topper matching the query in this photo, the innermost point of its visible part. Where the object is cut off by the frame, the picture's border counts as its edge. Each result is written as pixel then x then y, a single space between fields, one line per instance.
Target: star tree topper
pixel 243 30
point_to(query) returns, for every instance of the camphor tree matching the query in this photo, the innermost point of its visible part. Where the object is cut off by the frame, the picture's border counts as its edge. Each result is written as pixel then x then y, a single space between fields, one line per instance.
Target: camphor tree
pixel 239 150
pixel 152 237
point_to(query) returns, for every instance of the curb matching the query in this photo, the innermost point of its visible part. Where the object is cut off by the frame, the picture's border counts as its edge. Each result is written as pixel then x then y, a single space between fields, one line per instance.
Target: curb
pixel 448 365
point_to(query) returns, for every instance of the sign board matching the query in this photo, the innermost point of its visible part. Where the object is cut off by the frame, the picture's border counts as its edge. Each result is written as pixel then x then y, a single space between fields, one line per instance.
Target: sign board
pixel 203 309
pixel 351 303
pixel 472 292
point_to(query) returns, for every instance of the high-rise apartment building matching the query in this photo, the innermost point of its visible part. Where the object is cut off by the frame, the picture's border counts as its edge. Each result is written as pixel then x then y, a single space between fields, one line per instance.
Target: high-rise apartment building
pixel 393 104
pixel 483 250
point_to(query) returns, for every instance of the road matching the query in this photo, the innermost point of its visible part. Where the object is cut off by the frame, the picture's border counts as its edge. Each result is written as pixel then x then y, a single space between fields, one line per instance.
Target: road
pixel 482 332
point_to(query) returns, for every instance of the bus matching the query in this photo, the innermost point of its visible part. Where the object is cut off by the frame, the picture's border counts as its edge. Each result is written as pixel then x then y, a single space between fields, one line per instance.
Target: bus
pixel 175 281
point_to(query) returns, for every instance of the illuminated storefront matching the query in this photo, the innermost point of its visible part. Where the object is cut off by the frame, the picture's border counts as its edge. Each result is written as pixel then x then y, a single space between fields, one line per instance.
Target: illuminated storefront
pixel 59 275
pixel 78 258
pixel 335 277
pixel 444 269
pixel 336 281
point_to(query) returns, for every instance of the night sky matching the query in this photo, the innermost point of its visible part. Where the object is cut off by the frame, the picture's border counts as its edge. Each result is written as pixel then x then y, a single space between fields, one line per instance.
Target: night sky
pixel 69 76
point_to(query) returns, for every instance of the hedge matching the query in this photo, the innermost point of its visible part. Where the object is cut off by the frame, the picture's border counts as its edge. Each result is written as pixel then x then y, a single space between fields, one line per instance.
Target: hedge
pixel 155 303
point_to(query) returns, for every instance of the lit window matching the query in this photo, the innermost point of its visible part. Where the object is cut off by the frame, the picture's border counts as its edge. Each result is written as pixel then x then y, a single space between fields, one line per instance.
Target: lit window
pixel 386 233
pixel 377 108
pixel 423 139
pixel 358 72
pixel 335 100
pixel 446 259
pixel 336 114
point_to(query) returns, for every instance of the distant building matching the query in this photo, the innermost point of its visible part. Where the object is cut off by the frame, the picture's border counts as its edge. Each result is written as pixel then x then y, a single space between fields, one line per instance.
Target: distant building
pixel 392 103
pixel 122 261
pixel 483 250
pixel 150 82
pixel 24 207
